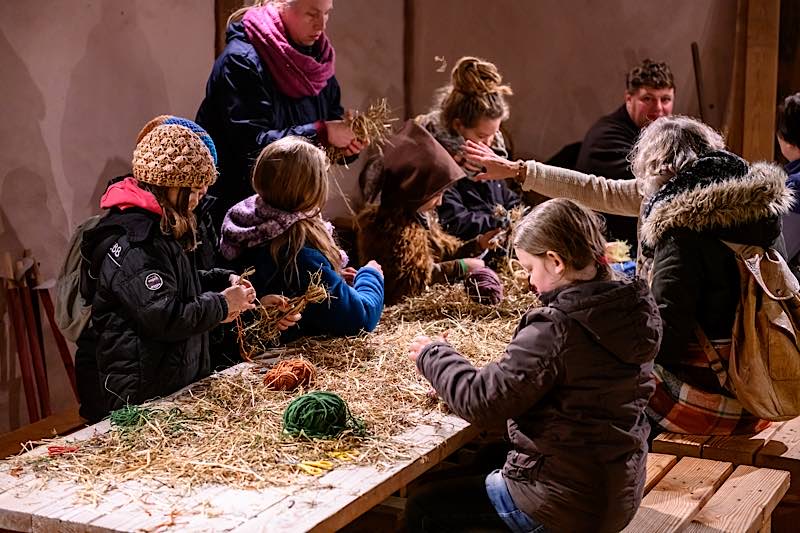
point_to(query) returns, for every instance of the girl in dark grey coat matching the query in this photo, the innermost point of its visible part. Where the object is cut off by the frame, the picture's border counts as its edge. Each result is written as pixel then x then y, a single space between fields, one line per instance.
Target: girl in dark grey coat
pixel 573 385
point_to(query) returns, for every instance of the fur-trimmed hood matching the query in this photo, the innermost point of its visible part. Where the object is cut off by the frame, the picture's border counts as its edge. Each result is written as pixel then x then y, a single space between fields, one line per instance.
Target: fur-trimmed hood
pixel 717 192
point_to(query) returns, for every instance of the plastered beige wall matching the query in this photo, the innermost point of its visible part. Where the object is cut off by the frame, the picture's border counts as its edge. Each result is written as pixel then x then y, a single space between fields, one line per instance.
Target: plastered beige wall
pixel 566 59
pixel 78 79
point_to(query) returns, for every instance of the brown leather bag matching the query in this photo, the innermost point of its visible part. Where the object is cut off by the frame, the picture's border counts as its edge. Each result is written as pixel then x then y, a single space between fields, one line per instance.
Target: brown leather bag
pixel 764 366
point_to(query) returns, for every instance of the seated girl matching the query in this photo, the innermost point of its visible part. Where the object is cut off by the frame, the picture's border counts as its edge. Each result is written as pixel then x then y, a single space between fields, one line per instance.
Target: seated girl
pixel 281 233
pixel 402 232
pixel 471 108
pixel 573 385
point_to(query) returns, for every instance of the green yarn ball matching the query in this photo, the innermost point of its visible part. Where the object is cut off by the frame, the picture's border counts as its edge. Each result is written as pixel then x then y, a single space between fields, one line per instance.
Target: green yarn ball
pixel 320 415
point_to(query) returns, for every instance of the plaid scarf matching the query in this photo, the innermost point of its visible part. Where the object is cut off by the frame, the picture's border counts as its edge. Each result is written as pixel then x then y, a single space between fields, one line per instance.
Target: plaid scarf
pixel 679 407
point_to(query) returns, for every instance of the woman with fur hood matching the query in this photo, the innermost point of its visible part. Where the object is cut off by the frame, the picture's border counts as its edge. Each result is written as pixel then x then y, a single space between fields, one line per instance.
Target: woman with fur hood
pixel 690 195
pixel 402 233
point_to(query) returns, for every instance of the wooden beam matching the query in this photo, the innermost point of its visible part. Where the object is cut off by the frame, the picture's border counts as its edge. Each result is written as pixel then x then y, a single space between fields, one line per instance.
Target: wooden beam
pixel 222 10
pixel 761 79
pixel 408 56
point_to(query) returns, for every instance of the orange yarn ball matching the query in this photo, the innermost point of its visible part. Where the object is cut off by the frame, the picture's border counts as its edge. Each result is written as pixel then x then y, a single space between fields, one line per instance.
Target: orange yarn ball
pixel 289 374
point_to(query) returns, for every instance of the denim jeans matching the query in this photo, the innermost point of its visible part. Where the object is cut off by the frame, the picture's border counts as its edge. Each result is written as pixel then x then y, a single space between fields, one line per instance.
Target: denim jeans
pixel 516 520
pixel 466 503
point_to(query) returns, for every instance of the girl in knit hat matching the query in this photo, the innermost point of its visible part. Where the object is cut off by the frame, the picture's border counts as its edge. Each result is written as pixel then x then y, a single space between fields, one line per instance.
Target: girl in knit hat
pixel 275 78
pixel 280 231
pixel 151 309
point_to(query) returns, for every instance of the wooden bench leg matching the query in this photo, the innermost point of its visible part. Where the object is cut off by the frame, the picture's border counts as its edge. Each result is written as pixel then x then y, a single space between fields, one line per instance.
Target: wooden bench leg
pixel 767 527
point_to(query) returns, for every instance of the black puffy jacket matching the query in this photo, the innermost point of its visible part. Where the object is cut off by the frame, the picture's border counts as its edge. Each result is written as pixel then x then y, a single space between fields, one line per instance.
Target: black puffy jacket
pixel 150 316
pixel 695 277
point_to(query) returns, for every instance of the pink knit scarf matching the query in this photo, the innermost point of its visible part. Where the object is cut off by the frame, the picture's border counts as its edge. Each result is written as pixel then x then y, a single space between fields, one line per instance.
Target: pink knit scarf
pixel 296 74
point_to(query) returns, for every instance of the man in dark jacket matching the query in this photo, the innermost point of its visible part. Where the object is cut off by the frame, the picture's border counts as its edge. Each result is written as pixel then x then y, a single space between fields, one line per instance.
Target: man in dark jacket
pixel 247 105
pixel 649 94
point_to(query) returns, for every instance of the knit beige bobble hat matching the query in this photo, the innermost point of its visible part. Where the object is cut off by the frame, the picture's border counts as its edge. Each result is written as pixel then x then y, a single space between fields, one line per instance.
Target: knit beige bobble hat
pixel 171 155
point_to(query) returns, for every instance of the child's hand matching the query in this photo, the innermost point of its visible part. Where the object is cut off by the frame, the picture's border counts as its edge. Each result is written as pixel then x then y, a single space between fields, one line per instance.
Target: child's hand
pixel 377 266
pixel 239 298
pixel 417 345
pixel 349 275
pixel 274 300
pixel 488 241
pixel 235 279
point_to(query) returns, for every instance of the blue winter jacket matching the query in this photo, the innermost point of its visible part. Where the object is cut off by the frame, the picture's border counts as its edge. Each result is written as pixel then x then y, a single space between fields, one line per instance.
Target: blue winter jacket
pixel 348 311
pixel 243 111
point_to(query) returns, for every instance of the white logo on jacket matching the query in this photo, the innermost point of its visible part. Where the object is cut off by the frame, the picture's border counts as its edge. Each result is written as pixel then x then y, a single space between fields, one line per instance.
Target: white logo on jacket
pixel 153 281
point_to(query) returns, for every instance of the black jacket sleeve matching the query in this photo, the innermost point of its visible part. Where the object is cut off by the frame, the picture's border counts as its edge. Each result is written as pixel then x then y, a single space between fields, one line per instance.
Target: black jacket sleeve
pixel 147 288
pixel 249 102
pixel 675 287
pixel 216 279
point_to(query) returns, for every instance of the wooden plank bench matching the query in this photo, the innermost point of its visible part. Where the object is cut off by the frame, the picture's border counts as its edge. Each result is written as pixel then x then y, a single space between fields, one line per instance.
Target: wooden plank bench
pixel 691 494
pixel 778 447
pixel 701 495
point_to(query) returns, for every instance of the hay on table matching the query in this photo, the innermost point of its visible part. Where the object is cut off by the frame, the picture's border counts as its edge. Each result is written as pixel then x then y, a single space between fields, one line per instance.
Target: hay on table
pixel 227 429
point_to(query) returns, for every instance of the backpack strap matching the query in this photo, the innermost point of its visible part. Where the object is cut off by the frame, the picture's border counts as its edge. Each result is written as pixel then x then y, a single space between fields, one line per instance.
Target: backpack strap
pixel 768 268
pixel 714 360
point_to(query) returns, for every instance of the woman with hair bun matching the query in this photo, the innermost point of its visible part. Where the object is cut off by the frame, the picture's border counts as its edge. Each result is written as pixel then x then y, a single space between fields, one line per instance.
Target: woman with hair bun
pixel 472 107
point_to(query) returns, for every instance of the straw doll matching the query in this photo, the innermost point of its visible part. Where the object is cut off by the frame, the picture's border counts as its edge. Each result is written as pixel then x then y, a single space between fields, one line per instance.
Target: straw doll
pixel 281 233
pixel 573 384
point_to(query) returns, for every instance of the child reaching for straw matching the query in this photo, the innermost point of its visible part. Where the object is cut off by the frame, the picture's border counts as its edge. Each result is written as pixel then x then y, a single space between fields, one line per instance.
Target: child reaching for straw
pixel 573 384
pixel 280 232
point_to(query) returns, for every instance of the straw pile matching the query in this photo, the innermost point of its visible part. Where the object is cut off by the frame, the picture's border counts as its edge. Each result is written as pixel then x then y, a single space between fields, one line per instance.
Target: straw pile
pixel 227 429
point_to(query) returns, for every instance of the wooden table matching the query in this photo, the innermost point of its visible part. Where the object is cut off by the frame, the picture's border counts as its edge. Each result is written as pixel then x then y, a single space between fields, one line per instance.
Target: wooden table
pixel 700 495
pixel 331 501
